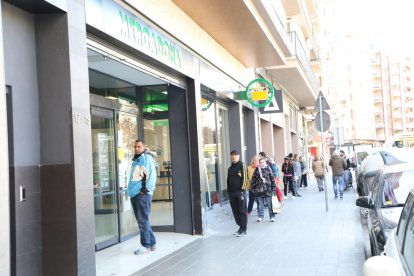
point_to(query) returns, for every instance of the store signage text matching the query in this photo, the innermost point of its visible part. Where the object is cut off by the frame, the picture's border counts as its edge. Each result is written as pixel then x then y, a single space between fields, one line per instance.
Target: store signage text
pixel 148 41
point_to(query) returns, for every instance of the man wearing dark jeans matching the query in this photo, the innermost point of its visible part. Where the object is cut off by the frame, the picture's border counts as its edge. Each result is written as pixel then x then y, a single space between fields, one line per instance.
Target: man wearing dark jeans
pixel 236 187
pixel 140 188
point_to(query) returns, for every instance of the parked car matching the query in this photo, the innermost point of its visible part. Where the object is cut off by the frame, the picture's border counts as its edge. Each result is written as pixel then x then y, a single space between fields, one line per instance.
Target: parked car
pixel 376 158
pixel 399 246
pixel 385 201
pixel 400 242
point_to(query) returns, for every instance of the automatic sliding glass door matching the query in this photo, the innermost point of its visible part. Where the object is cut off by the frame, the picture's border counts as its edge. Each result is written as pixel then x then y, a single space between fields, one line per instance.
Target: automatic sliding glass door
pixel 104 178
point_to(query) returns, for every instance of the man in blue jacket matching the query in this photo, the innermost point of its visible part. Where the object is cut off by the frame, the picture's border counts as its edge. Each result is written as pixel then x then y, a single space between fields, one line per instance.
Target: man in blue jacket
pixel 140 188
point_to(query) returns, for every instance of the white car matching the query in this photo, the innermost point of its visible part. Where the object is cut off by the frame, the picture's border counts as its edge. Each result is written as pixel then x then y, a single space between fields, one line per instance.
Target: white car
pixel 398 257
pixel 400 242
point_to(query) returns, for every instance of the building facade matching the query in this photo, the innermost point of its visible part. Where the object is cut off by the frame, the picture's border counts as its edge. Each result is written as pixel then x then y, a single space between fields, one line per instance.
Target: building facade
pixel 393 95
pixel 82 80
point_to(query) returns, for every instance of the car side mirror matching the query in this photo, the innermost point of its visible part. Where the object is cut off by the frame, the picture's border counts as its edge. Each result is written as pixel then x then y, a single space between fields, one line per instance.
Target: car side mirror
pixel 365 202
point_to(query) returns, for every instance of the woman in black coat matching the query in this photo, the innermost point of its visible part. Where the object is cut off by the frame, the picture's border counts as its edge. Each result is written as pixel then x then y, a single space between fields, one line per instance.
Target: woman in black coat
pixel 288 173
pixel 263 184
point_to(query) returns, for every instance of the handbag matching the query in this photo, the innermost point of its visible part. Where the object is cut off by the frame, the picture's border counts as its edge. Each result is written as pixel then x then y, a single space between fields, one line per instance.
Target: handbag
pixel 276 206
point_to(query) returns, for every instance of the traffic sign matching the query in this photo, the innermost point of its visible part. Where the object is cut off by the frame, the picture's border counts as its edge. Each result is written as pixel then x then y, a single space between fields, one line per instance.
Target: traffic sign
pixel 326 121
pixel 321 102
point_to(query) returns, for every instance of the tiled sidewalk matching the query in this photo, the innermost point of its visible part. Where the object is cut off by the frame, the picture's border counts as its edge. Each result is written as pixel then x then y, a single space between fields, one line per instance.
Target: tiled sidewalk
pixel 304 240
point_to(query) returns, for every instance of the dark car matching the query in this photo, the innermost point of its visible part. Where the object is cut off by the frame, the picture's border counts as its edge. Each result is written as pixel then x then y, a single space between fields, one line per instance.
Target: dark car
pixel 400 243
pixel 386 198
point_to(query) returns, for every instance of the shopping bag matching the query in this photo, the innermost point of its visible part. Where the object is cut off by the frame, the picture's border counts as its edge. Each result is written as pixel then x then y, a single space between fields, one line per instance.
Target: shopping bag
pixel 276 206
pixel 279 194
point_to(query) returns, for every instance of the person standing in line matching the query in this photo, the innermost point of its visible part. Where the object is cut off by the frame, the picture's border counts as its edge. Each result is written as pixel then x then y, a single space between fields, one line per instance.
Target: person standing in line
pixel 304 177
pixel 263 184
pixel 297 174
pixel 347 172
pixel 338 165
pixel 287 170
pixel 318 169
pixel 236 187
pixel 141 187
pixel 250 170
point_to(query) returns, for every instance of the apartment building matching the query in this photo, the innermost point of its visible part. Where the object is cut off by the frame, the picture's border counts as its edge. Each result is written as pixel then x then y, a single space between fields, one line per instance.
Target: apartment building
pixel 83 79
pixel 393 97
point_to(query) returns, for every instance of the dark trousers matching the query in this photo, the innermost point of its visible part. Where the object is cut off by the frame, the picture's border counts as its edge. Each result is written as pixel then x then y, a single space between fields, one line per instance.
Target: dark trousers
pixel 304 180
pixel 141 204
pixel 251 202
pixel 239 208
pixel 288 180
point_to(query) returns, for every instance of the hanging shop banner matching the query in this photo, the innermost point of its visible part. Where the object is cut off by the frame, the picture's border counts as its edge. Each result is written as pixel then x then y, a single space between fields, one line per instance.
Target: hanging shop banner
pixel 276 104
pixel 259 92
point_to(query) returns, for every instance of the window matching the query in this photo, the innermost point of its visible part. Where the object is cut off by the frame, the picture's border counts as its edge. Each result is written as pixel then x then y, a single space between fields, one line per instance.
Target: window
pixel 403 219
pixel 396 188
pixel 408 248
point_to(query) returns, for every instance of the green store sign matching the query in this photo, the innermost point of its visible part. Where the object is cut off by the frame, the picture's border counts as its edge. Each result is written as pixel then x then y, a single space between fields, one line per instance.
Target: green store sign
pixel 259 92
pixel 148 41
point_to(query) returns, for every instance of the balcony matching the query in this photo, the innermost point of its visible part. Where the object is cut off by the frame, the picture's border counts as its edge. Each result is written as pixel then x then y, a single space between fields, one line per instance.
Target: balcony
pixel 378 99
pixel 297 75
pixel 240 27
pixel 300 10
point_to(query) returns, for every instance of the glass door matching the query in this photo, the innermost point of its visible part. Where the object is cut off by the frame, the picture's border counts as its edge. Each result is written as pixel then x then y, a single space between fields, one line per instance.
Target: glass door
pixel 223 139
pixel 156 130
pixel 208 124
pixel 104 178
pixel 127 131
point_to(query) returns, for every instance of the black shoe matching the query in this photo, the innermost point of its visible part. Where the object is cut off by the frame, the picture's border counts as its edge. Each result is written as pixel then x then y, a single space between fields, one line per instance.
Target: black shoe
pixel 241 234
pixel 237 232
pixel 298 195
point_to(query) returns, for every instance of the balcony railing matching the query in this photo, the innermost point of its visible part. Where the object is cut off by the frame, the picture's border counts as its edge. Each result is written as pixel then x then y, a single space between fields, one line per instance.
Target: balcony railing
pixel 303 58
pixel 276 13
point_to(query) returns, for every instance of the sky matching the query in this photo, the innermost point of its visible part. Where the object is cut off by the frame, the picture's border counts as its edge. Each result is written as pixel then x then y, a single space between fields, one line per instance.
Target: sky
pixel 389 23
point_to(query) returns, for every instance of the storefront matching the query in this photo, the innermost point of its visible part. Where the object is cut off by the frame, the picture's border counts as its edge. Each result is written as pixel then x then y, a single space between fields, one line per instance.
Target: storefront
pixel 85 94
pixel 137 90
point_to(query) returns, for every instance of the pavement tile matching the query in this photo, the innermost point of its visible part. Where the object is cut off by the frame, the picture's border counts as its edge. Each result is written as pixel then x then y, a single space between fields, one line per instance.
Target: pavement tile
pixel 304 240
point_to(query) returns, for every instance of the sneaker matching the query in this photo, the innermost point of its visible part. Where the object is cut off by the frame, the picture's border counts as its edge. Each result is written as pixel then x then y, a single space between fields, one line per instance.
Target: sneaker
pixel 272 220
pixel 285 197
pixel 153 247
pixel 341 197
pixel 241 234
pixel 142 250
pixel 293 197
pixel 259 219
pixel 336 197
pixel 300 188
pixel 237 232
pixel 306 188
pixel 298 195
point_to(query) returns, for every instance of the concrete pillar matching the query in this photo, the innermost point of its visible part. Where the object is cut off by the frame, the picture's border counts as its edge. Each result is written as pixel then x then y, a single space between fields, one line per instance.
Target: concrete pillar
pixel 68 227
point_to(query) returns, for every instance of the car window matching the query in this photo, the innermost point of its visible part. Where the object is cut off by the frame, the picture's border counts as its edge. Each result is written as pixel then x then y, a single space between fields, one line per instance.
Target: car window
pixel 396 187
pixel 375 186
pixel 408 248
pixel 403 219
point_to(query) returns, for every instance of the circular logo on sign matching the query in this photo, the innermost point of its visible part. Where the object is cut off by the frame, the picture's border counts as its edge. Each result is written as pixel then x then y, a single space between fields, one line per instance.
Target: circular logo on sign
pixel 259 92
pixel 205 104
